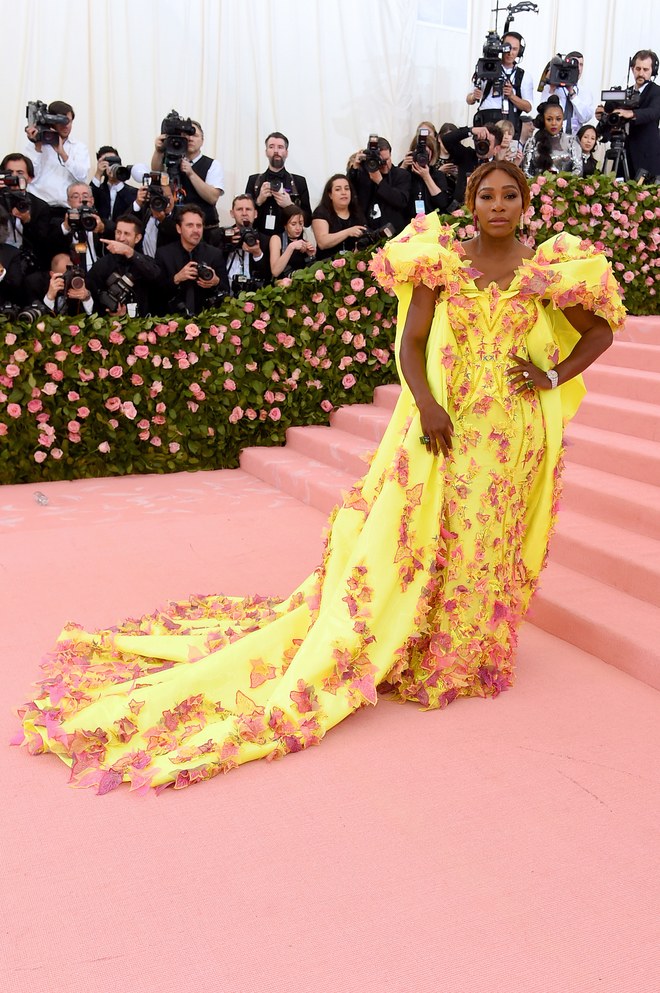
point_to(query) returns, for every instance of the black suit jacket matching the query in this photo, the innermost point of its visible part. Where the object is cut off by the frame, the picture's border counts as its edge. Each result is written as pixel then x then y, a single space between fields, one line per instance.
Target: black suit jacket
pixel 144 272
pixel 386 202
pixel 35 232
pixel 300 197
pixel 644 137
pixel 11 285
pixel 188 296
pixel 123 201
pixel 465 158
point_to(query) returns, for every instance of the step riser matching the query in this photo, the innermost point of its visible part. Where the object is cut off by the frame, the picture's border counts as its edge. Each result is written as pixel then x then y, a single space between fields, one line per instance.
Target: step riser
pixel 619 382
pixel 638 579
pixel 642 330
pixel 328 451
pixel 598 412
pixel 592 635
pixel 629 355
pixel 642 518
pixel 310 488
pixel 367 424
pixel 614 459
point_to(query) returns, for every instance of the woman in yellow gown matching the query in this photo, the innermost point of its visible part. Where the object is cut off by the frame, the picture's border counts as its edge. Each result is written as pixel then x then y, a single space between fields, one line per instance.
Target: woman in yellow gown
pixel 430 561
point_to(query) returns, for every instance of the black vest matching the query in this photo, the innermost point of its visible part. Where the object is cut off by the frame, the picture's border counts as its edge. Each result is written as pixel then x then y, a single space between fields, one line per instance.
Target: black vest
pixel 201 169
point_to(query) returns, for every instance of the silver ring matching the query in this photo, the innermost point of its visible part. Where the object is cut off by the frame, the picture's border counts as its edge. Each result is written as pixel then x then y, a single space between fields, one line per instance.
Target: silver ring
pixel 526 375
pixel 424 438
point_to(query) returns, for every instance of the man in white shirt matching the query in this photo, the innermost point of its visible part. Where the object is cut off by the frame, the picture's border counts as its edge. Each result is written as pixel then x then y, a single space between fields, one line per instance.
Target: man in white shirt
pixel 507 97
pixel 57 166
pixel 576 101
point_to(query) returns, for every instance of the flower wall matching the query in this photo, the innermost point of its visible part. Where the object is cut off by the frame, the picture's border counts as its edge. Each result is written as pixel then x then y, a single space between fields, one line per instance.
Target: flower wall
pixel 98 397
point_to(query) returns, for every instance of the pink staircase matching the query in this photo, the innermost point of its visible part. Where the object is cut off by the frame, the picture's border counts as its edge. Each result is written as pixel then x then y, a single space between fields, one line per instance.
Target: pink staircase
pixel 601 589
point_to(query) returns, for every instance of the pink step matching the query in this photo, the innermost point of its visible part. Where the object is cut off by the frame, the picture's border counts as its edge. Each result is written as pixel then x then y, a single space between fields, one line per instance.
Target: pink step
pixel 633 384
pixel 331 446
pixel 387 396
pixel 631 417
pixel 635 458
pixel 363 419
pixel 644 330
pixel 620 558
pixel 633 505
pixel 309 481
pixel 630 355
pixel 613 626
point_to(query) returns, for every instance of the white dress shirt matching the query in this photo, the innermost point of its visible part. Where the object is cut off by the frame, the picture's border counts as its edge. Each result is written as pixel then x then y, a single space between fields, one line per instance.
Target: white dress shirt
pixel 52 176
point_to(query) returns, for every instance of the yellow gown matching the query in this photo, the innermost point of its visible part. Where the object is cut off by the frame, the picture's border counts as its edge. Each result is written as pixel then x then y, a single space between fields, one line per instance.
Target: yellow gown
pixel 428 568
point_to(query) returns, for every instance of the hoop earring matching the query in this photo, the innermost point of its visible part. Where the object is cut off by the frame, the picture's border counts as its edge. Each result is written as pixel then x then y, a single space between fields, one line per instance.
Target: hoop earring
pixel 522 225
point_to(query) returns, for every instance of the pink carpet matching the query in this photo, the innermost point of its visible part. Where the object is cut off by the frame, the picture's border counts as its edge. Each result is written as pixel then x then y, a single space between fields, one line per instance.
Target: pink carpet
pixel 506 846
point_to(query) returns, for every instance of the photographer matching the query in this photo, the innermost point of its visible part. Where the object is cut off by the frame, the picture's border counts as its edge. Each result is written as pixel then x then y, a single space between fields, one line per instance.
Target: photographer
pixel 575 99
pixel 29 217
pixel 244 248
pixel 383 189
pixel 10 268
pixel 67 291
pixel 112 197
pixel 80 231
pixel 486 142
pixel 124 276
pixel 290 250
pixel 276 188
pixel 199 176
pixel 337 222
pixel 429 190
pixel 640 122
pixel 58 159
pixel 157 204
pixel 193 274
pixel 511 94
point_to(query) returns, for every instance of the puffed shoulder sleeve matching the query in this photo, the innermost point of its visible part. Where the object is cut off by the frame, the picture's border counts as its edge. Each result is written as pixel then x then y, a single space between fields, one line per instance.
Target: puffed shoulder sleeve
pixel 569 273
pixel 425 252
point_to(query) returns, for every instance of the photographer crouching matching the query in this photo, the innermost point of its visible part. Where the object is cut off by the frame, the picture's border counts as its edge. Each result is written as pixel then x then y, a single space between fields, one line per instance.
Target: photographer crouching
pixel 67 292
pixel 193 274
pixel 124 280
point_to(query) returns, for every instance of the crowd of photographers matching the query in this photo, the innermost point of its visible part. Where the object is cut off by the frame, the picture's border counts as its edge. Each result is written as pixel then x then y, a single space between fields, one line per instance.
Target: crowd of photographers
pixel 147 239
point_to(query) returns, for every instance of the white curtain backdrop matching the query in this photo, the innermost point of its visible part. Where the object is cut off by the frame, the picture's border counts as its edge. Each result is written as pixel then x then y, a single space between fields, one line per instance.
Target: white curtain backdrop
pixel 325 72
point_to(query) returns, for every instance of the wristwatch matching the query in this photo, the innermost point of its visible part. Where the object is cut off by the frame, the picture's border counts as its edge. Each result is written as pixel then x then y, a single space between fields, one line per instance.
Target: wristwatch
pixel 553 376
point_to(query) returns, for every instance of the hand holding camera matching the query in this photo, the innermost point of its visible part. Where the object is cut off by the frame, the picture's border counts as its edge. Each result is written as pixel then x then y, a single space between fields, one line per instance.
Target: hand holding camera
pixel 207 277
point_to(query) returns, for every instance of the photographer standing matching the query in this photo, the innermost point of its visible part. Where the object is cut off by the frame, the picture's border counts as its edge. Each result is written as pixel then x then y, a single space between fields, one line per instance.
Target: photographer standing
pixel 429 190
pixel 124 276
pixel 201 180
pixel 383 189
pixel 112 197
pixel 80 231
pixel 57 166
pixel 643 144
pixel 576 101
pixel 245 248
pixel 29 217
pixel 276 188
pixel 193 274
pixel 509 96
pixel 486 142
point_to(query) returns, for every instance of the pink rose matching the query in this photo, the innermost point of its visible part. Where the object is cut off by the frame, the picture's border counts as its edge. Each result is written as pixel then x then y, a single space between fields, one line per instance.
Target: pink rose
pixel 348 381
pixel 20 355
pixel 56 338
pixel 116 372
pixel 40 456
pixel 370 291
pixel 115 337
pixel 327 406
pixel 290 312
pixel 251 414
pixel 129 410
pixel 94 345
pixel 112 404
pixel 628 276
pixel 248 307
pixel 235 325
pixel 10 338
pixel 73 427
pixel 13 370
pixel 342 313
pixel 320 275
pixel 14 409
pixel 236 415
pixel 338 263
pixel 155 441
pixel 357 284
pixel 275 414
pixel 56 453
pixel 104 447
pixel 230 385
pixel 317 297
pixel 192 331
pixel 361 266
pixel 174 447
pixel 50 389
pixel 34 406
pixel 349 300
pixel 259 325
pixel 141 351
pixel 354 315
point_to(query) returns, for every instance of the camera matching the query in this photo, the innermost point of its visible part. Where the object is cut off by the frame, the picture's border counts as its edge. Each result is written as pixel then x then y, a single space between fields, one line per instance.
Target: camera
pixel 155 183
pixel 118 289
pixel 275 185
pixel 563 71
pixel 489 66
pixel 421 154
pixel 74 278
pixel 611 127
pixel 482 147
pixel 32 313
pixel 248 235
pixel 82 219
pixel 116 170
pixel 13 193
pixel 204 271
pixel 177 130
pixel 245 284
pixel 39 118
pixel 371 237
pixel 372 158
